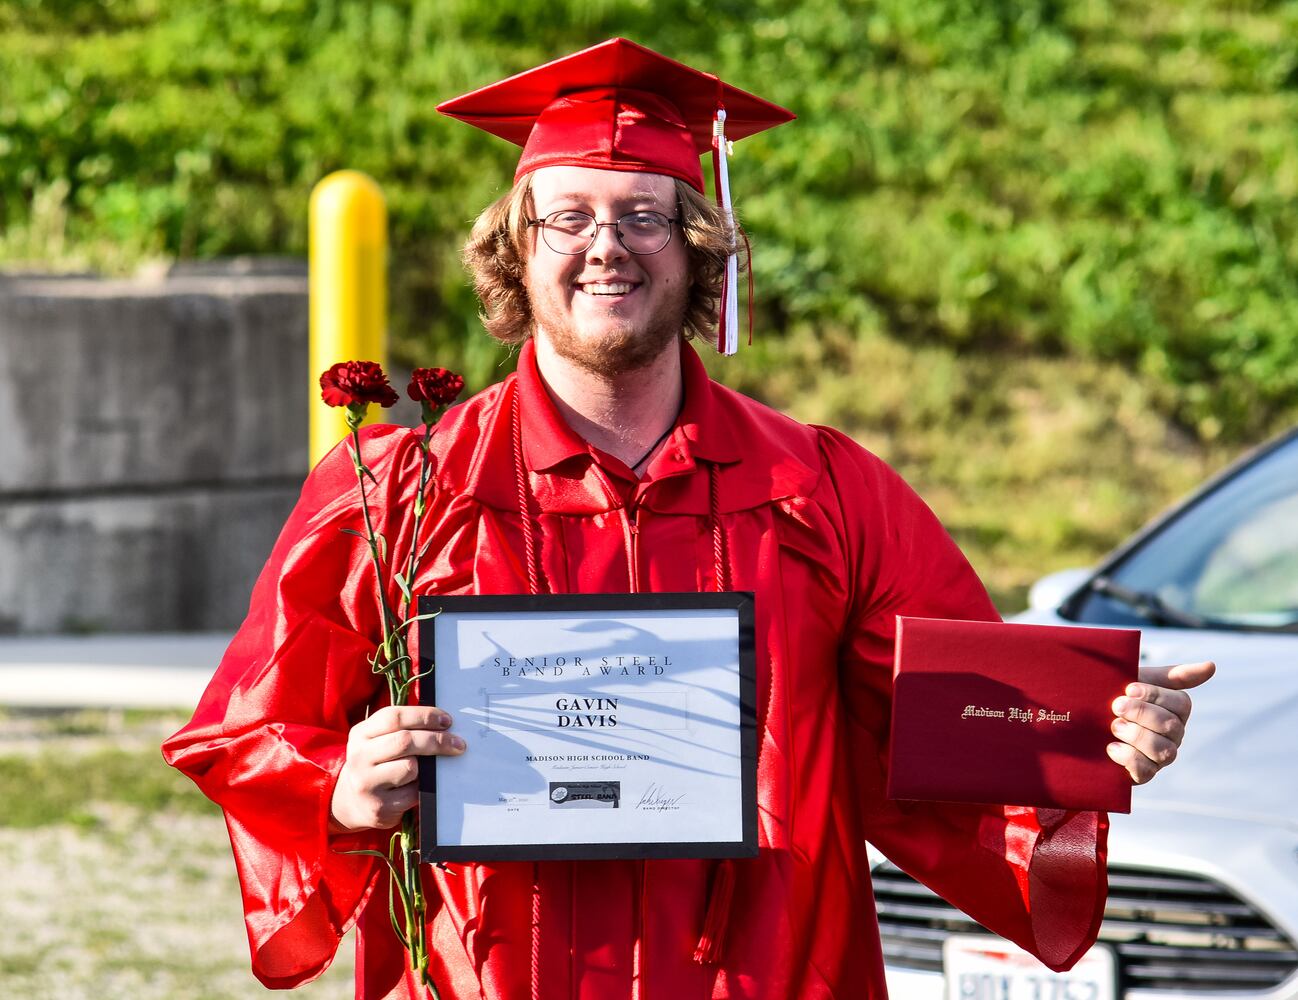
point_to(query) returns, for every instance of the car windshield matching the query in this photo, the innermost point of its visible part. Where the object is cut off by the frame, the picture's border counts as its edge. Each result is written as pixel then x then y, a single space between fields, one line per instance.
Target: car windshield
pixel 1230 560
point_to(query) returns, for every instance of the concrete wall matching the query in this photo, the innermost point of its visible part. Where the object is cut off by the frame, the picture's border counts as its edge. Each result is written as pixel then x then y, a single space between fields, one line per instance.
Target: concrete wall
pixel 152 441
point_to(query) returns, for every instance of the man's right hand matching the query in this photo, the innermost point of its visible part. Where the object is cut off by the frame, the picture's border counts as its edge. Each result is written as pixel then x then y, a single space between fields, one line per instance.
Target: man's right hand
pixel 377 783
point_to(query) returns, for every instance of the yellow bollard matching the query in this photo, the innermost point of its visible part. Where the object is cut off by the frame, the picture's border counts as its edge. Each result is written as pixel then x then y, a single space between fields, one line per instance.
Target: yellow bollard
pixel 348 254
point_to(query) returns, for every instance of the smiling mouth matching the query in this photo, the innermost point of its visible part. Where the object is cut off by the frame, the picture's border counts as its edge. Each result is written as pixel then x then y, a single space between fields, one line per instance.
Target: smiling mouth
pixel 608 288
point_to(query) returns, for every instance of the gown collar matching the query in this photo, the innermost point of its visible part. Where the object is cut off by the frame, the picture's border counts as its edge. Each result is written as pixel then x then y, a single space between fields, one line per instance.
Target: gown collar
pixel 779 458
pixel 548 441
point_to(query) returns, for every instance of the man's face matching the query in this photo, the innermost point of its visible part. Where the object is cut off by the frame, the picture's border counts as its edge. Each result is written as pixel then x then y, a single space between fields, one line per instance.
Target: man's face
pixel 608 310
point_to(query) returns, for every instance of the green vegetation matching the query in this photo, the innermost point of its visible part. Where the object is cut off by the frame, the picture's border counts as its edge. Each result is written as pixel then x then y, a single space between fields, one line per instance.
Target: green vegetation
pixel 66 766
pixel 1032 207
pixel 1034 463
pixel 118 877
pixel 57 787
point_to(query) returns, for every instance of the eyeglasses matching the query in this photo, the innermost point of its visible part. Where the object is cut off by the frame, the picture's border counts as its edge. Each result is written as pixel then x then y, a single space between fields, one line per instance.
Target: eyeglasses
pixel 575 232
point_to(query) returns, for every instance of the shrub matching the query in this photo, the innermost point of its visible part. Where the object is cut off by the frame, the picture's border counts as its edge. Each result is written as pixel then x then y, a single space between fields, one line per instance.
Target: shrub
pixel 1111 179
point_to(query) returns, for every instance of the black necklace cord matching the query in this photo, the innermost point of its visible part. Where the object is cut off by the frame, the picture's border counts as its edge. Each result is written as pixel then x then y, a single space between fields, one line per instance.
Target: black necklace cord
pixel 653 447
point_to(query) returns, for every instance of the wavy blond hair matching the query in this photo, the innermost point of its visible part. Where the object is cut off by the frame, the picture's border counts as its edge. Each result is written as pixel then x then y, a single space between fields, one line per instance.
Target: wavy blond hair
pixel 496 256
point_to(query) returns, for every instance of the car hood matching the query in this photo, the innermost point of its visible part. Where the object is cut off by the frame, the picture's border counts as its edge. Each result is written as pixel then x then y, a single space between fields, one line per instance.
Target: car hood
pixel 1240 753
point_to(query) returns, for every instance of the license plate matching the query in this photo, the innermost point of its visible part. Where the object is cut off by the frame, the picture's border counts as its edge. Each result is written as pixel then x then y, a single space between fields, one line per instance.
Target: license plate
pixel 987 968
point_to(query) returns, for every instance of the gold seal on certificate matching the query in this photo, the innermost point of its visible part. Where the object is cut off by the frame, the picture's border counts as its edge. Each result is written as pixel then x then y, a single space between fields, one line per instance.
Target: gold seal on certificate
pixel 599 726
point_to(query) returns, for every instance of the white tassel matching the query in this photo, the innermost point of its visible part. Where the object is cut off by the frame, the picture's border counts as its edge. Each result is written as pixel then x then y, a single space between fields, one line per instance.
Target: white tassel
pixel 728 334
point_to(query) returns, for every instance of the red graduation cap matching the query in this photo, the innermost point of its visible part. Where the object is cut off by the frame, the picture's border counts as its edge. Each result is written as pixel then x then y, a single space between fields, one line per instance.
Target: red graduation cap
pixel 620 106
pixel 615 106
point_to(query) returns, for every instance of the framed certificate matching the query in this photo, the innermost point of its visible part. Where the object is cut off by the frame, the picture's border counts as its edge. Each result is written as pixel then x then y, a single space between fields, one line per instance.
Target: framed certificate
pixel 598 726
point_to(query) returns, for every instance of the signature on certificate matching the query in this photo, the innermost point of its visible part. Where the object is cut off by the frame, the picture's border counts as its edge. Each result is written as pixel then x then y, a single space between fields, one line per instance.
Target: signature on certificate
pixel 656 799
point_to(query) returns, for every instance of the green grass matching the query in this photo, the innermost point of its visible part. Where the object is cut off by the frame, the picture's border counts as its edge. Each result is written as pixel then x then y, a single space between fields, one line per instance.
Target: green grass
pixel 1041 256
pixel 1111 178
pixel 1033 463
pixel 118 878
pixel 55 786
pixel 143 907
pixel 61 766
pixel 45 723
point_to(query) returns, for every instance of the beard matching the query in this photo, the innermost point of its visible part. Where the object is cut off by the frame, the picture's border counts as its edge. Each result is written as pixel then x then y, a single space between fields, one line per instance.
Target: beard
pixel 624 346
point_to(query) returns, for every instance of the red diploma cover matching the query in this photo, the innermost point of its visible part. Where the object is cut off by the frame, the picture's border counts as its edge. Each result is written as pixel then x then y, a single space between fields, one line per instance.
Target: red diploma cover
pixel 1008 714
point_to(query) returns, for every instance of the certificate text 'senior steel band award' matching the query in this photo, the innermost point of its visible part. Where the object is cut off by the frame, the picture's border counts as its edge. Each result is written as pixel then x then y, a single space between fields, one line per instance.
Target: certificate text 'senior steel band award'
pixel 598 726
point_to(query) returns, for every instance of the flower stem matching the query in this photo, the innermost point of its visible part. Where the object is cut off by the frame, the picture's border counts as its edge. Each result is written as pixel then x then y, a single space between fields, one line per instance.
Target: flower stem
pixel 389 619
pixel 393 661
pixel 425 470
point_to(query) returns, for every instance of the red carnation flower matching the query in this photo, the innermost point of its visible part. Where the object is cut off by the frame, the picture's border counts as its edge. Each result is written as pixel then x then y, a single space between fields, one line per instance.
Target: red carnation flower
pixel 356 383
pixel 435 386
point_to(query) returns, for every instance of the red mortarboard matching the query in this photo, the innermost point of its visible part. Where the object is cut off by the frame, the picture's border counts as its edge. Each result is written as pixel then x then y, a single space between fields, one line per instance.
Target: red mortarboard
pixel 615 106
pixel 620 106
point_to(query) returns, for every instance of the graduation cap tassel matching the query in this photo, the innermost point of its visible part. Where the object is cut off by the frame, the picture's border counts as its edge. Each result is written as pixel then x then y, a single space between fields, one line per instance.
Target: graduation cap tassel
pixel 728 322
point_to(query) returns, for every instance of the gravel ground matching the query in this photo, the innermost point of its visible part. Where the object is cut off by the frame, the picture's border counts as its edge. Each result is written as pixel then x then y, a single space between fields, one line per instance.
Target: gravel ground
pixel 125 903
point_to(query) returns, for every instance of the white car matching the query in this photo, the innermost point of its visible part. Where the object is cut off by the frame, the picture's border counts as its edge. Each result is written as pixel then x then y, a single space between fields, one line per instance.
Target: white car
pixel 1203 874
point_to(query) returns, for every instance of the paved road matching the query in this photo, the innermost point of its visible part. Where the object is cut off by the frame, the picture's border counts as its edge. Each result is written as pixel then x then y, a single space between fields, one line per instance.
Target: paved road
pixel 108 671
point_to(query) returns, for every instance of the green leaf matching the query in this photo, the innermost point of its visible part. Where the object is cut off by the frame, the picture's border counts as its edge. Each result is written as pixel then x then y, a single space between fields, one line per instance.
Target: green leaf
pixel 372 853
pixel 392 912
pixel 417 618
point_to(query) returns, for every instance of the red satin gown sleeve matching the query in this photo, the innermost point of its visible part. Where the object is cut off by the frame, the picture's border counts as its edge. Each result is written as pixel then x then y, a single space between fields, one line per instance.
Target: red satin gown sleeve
pixel 269 735
pixel 1034 876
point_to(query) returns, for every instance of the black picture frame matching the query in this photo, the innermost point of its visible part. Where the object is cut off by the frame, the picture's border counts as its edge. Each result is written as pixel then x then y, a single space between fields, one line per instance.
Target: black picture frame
pixel 741 602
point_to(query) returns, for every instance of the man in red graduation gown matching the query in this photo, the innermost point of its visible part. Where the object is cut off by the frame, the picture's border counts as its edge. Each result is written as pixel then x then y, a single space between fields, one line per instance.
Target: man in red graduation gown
pixel 611 463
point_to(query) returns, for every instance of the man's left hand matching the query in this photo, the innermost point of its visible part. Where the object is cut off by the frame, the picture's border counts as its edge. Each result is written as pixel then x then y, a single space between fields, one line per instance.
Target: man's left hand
pixel 1151 716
